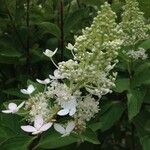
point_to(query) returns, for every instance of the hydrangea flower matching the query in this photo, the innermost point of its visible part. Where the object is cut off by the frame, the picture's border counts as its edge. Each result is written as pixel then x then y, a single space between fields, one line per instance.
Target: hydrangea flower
pixel 65 131
pixel 30 89
pixel 50 53
pixel 39 126
pixel 68 108
pixel 46 81
pixel 13 108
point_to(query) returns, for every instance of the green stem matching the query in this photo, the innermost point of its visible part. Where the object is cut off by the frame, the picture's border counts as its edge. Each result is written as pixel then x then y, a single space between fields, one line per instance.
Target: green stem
pixel 14 25
pixel 28 38
pixel 62 29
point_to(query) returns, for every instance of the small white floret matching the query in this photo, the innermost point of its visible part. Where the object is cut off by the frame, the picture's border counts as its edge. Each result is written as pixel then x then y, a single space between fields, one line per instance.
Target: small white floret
pixel 46 81
pixel 65 131
pixel 38 127
pixel 50 53
pixel 13 108
pixel 30 89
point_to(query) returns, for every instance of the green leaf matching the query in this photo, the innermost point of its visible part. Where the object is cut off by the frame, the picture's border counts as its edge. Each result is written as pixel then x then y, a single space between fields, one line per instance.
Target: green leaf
pixel 47 27
pixel 142 75
pixel 122 84
pixel 14 92
pixel 135 99
pixel 74 19
pixel 38 87
pixel 90 136
pixel 145 44
pixel 93 2
pixel 141 121
pixel 54 140
pixel 108 119
pixel 16 143
pixel 145 141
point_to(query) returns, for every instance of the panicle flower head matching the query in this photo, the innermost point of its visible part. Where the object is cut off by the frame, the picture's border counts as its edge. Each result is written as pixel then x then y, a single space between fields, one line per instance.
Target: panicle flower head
pixel 95 50
pixel 133 24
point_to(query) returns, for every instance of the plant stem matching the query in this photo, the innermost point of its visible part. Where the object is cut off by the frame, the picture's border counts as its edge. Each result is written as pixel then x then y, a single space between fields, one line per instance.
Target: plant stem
pixel 62 29
pixel 110 1
pixel 14 26
pixel 78 3
pixel 132 132
pixel 28 38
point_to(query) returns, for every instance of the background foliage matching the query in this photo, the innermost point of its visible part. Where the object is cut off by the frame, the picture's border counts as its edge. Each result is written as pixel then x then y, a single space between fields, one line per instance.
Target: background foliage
pixel 27 28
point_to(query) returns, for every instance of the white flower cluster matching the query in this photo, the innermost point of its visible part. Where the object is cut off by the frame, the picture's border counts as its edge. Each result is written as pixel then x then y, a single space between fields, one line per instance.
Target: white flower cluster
pixel 138 54
pixel 38 105
pixel 95 54
pixel 71 91
pixel 133 24
pixel 86 109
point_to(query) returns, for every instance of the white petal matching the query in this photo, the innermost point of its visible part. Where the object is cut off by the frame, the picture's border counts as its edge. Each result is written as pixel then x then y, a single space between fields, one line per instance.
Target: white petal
pixel 38 122
pixel 40 81
pixel 50 53
pixel 30 89
pixel 72 111
pixel 70 127
pixel 28 128
pixel 46 126
pixel 52 77
pixel 47 81
pixel 7 111
pixel 36 132
pixel 20 105
pixel 70 46
pixel 57 74
pixel 12 106
pixel 59 128
pixel 55 51
pixel 63 112
pixel 70 104
pixel 24 91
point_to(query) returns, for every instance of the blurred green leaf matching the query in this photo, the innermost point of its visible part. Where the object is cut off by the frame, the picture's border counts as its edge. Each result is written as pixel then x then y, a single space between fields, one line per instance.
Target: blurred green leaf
pixel 122 84
pixel 54 140
pixel 135 99
pixel 108 119
pixel 47 27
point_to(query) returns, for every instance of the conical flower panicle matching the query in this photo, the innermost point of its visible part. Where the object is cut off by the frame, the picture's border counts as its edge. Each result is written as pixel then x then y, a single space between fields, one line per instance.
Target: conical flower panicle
pixel 133 24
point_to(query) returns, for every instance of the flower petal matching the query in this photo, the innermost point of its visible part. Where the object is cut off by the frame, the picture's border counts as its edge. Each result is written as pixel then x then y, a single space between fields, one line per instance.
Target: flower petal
pixel 63 112
pixel 38 122
pixel 7 111
pixel 24 91
pixel 72 111
pixel 47 81
pixel 52 77
pixel 20 105
pixel 46 126
pixel 70 46
pixel 70 127
pixel 57 74
pixel 36 132
pixel 12 106
pixel 28 128
pixel 59 128
pixel 40 81
pixel 30 89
